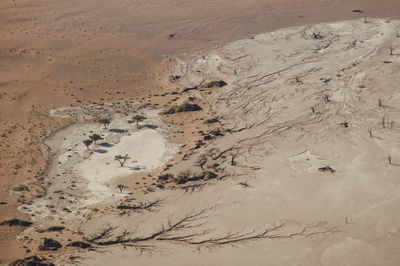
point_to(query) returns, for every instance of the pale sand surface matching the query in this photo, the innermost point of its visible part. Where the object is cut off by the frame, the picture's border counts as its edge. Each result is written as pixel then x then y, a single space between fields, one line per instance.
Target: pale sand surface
pixel 287 94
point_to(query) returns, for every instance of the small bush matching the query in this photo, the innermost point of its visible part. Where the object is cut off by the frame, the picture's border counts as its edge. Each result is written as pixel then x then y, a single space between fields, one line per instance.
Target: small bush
pixel 327 169
pixel 30 261
pixel 169 110
pixel 16 222
pixel 183 107
pixel 215 83
pixel 50 244
pixel 214 165
pixel 165 177
pixel 79 244
pixel 21 188
pixel 209 175
pixel 211 121
pixel 3 202
pixel 52 229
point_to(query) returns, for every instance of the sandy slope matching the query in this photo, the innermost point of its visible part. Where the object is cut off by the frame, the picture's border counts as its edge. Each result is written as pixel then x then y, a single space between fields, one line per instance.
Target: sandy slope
pixel 286 98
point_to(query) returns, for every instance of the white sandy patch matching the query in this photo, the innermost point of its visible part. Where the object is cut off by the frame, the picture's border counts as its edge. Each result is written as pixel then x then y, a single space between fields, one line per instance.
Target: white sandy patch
pixel 147 149
pixel 80 177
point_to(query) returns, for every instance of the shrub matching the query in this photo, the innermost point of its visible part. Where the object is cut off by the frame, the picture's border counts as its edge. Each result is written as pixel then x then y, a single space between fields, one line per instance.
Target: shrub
pixel 3 202
pixel 79 244
pixel 30 261
pixel 183 107
pixel 165 177
pixel 21 188
pixel 16 222
pixel 327 169
pixel 211 121
pixel 169 110
pixel 215 83
pixel 214 165
pixel 209 175
pixel 50 244
pixel 52 229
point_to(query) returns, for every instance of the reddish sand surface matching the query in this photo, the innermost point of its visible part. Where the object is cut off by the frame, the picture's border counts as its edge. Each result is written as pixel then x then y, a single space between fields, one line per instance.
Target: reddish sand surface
pixel 70 53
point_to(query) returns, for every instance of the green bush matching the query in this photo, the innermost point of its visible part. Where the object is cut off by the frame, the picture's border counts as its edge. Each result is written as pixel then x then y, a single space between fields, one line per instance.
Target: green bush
pixel 183 107
pixel 169 110
pixel 209 175
pixel 20 188
pixel 3 202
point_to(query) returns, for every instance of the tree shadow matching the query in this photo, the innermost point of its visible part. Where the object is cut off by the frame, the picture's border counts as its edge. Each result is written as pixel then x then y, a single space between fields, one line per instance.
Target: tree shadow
pixel 106 145
pixel 100 151
pixel 136 168
pixel 117 130
pixel 149 126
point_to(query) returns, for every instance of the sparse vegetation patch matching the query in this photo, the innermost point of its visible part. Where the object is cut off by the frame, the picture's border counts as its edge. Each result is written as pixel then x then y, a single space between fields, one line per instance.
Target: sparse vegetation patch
pixel 184 107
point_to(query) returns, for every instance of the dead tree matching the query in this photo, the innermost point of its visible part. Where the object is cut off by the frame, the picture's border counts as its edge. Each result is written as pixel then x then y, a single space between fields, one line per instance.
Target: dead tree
pixel 370 132
pixel 121 187
pixel 389 158
pixel 142 206
pixel 193 187
pixel 234 156
pixel 391 50
pixel 244 184
pixel 106 235
pixel 187 230
pixel 122 159
pixel 380 102
pixel 201 161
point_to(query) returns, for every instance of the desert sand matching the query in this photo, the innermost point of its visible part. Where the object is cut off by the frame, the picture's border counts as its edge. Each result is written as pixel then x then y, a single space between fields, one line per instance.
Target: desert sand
pixel 57 54
pixel 310 119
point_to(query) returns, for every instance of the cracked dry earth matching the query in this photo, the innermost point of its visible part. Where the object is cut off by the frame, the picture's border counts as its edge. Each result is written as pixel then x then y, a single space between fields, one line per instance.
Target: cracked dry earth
pixel 310 117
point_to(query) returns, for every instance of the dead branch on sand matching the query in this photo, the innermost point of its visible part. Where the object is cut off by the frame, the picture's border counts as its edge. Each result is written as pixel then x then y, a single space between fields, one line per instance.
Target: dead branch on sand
pixel 142 206
pixel 186 230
